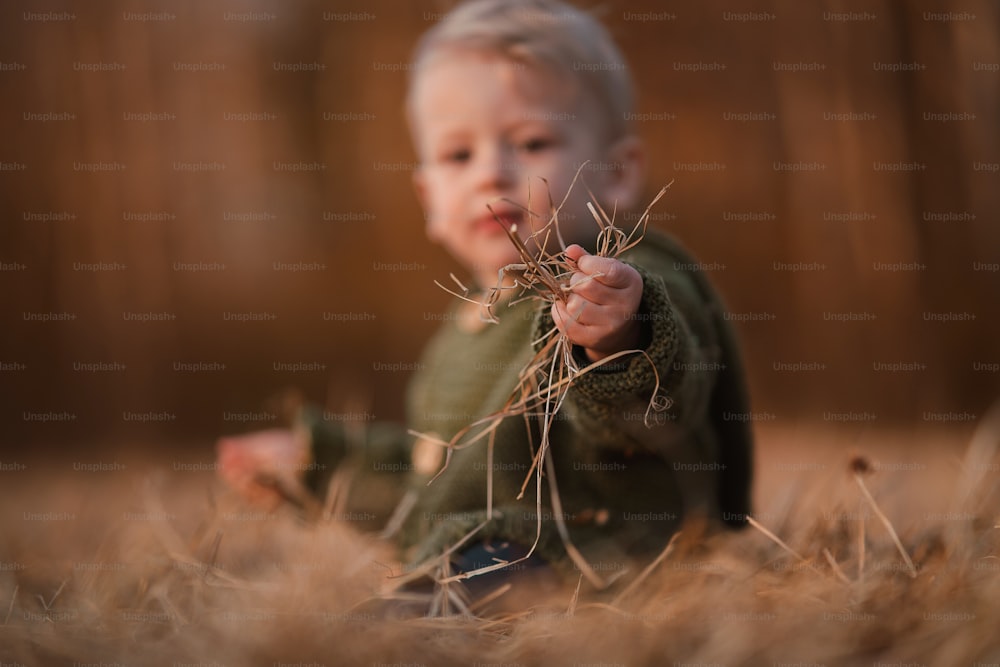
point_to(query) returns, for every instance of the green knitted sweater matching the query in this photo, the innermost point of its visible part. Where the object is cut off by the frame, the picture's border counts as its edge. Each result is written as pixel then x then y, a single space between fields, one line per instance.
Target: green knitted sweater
pixel 624 483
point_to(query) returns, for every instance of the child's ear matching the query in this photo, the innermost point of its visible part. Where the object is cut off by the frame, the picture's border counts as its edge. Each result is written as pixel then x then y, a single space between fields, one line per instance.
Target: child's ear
pixel 625 183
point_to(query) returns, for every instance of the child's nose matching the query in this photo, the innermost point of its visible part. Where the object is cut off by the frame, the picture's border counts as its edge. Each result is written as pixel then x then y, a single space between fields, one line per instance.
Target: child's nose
pixel 497 168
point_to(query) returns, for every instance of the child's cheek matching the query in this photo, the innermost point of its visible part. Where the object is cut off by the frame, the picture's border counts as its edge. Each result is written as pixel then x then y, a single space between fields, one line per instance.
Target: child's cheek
pixel 435 229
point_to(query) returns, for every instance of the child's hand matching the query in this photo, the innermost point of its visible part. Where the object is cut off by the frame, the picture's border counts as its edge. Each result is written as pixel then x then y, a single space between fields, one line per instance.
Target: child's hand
pixel 263 466
pixel 599 314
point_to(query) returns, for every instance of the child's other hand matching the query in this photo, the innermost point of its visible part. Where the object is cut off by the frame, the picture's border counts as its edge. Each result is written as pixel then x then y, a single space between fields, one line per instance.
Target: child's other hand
pixel 263 466
pixel 599 314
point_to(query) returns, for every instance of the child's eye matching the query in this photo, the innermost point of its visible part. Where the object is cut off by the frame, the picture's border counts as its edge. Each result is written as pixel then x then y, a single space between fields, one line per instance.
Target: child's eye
pixel 458 156
pixel 536 144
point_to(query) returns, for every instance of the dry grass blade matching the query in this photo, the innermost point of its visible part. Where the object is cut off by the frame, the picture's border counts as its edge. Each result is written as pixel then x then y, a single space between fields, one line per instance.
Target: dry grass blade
pixel 777 540
pixel 10 607
pixel 667 550
pixel 979 459
pixel 888 525
pixel 557 513
pixel 571 609
pixel 861 550
pixel 216 543
pixel 47 606
pixel 399 515
pixel 496 593
pixel 834 566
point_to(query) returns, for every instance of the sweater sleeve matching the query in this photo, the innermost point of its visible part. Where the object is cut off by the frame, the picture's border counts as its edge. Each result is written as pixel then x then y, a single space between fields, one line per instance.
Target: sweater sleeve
pixel 668 386
pixel 375 456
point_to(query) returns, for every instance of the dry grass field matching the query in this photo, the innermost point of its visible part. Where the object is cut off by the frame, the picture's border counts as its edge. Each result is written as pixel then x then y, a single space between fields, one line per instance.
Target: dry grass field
pixel 156 564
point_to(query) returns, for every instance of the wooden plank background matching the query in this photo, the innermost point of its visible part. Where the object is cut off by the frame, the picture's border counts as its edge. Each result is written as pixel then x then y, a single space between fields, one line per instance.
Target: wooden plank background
pixel 171 161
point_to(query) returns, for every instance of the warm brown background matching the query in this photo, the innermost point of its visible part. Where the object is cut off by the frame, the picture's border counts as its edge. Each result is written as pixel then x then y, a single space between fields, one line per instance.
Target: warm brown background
pixel 365 176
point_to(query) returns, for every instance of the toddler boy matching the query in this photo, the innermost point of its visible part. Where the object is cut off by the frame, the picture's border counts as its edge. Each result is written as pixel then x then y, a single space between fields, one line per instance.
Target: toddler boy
pixel 503 94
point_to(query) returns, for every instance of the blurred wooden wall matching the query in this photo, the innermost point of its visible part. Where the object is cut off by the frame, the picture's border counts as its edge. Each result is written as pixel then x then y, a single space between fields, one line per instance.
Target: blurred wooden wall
pixel 76 80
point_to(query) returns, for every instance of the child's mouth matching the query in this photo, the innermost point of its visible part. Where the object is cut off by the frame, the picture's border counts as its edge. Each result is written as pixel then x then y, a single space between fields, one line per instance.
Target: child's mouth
pixel 499 220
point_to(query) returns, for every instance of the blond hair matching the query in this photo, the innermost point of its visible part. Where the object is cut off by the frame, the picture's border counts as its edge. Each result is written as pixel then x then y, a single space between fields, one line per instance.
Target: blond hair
pixel 546 33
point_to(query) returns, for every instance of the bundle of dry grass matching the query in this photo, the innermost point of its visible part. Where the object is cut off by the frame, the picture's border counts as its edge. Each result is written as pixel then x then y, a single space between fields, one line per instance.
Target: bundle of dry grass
pixel 150 573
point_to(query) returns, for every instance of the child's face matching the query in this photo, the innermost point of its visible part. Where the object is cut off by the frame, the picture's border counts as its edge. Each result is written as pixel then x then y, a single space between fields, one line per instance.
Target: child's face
pixel 486 128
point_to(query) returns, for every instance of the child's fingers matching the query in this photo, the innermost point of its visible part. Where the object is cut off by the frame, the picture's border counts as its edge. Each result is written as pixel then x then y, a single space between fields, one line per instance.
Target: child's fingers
pixel 568 315
pixel 607 271
pixel 575 252
pixel 252 463
pixel 559 316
